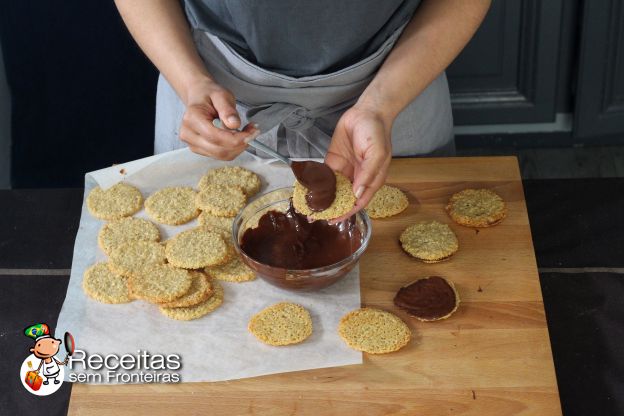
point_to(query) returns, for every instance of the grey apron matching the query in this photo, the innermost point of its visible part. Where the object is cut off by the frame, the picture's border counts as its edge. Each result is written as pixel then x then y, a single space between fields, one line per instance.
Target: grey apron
pixel 297 116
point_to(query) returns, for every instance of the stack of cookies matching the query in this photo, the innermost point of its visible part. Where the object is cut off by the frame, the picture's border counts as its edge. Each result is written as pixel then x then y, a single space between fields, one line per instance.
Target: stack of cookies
pixel 181 276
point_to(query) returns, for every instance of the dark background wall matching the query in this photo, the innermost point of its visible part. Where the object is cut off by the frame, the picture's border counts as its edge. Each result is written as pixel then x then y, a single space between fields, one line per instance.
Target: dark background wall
pixel 83 94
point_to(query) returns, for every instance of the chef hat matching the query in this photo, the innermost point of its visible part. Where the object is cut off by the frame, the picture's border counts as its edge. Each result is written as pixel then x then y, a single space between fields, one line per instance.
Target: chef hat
pixel 37 331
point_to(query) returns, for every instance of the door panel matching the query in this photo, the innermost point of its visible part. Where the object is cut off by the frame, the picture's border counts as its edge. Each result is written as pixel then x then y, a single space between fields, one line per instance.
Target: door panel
pixel 507 73
pixel 600 88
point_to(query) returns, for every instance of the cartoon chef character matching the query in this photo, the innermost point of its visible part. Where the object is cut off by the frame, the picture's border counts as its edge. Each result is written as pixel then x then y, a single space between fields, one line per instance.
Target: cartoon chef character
pixel 45 348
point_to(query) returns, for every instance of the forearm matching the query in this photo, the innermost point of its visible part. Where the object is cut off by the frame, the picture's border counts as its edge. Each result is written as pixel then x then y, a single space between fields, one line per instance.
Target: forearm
pixel 161 30
pixel 436 34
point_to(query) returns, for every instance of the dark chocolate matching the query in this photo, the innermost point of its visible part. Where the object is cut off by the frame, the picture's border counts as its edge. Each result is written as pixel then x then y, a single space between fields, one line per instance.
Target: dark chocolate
pixel 429 298
pixel 319 180
pixel 287 240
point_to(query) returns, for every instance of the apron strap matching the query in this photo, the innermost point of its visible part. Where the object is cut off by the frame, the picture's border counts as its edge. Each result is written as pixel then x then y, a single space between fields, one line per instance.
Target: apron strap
pixel 291 116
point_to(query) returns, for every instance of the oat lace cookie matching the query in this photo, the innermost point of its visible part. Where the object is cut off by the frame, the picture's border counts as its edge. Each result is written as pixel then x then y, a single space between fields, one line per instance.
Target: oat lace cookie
pixel 124 230
pixel 118 201
pixel 234 270
pixel 284 323
pixel 197 248
pixel 188 313
pixel 343 203
pixel 172 205
pixel 374 331
pixel 132 257
pixel 429 242
pixel 221 200
pixel 200 290
pixel 209 220
pixel 386 202
pixel 237 176
pixel 101 284
pixel 476 208
pixel 160 283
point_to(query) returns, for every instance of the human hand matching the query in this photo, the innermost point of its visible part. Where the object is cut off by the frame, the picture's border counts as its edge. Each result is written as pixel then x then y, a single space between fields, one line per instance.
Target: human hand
pixel 205 101
pixel 361 149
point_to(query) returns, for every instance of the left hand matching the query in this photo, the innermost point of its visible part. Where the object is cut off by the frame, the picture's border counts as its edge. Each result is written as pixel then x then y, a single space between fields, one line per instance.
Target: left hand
pixel 361 149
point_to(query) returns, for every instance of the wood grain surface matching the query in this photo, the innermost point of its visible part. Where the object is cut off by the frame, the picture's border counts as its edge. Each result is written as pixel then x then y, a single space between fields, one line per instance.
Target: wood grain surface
pixel 492 357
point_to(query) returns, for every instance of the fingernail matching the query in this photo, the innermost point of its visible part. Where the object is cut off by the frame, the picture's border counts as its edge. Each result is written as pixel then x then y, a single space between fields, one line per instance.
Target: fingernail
pixel 359 192
pixel 256 126
pixel 232 119
pixel 252 137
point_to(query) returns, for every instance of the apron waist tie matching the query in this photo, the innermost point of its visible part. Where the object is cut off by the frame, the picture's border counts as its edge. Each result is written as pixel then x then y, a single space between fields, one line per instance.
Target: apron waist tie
pixel 299 120
pixel 291 116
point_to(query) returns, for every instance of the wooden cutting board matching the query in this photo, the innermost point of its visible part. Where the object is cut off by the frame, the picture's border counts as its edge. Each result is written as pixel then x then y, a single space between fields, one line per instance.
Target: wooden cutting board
pixel 492 357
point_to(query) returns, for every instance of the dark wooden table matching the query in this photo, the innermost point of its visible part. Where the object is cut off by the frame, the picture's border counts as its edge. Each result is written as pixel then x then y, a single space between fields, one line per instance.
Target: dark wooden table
pixel 578 234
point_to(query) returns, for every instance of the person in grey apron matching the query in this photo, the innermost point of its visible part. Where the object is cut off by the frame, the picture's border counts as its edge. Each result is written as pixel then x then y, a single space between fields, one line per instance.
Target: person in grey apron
pixel 353 81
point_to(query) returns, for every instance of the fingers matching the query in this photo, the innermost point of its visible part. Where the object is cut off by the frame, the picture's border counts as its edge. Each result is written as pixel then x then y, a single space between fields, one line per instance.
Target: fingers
pixel 225 105
pixel 339 163
pixel 371 188
pixel 340 153
pixel 369 176
pixel 366 196
pixel 206 139
pixel 199 119
pixel 200 145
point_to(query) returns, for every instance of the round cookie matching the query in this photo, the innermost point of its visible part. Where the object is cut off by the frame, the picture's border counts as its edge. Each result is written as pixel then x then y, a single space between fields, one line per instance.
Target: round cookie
pixel 118 201
pixel 476 208
pixel 125 230
pixel 197 248
pixel 196 311
pixel 343 203
pixel 101 284
pixel 428 299
pixel 245 179
pixel 200 290
pixel 221 200
pixel 172 205
pixel 429 242
pixel 386 202
pixel 281 324
pixel 212 221
pixel 233 271
pixel 160 283
pixel 131 258
pixel 374 331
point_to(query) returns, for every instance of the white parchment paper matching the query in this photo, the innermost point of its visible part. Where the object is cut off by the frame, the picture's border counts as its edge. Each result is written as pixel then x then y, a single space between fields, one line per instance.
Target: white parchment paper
pixel 218 346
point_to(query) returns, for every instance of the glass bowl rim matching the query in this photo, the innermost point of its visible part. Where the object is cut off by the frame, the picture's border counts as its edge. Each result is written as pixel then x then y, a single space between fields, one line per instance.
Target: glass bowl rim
pixel 305 272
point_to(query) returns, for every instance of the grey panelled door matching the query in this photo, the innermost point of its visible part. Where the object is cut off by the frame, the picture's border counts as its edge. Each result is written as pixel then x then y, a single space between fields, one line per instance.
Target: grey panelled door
pixel 600 88
pixel 508 72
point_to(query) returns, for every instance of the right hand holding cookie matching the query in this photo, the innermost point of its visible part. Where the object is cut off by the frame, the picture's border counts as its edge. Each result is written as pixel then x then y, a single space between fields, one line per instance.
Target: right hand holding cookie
pixel 205 101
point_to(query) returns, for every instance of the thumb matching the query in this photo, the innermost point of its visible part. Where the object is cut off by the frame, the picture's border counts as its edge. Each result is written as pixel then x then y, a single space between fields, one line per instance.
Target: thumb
pixel 375 156
pixel 340 156
pixel 225 105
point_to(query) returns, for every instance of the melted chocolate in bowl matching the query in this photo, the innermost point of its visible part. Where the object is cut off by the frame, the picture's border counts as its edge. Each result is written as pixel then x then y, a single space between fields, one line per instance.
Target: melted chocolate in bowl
pixel 285 246
pixel 319 180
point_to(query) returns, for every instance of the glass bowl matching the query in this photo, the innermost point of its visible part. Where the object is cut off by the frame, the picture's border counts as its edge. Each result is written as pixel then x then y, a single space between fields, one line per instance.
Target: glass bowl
pixel 296 280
